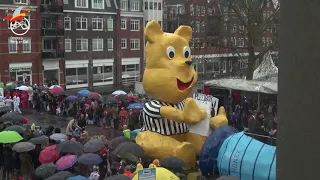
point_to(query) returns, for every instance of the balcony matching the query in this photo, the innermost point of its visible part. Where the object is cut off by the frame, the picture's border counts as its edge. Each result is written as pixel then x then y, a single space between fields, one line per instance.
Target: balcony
pixel 52 32
pixel 51 55
pixel 54 8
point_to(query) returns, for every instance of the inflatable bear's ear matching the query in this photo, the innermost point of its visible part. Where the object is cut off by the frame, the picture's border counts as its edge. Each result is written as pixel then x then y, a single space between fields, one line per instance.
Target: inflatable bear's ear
pixel 185 32
pixel 152 31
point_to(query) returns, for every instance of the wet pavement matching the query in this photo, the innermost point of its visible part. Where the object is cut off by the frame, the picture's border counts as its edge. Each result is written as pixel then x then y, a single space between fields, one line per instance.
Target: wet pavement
pixel 45 120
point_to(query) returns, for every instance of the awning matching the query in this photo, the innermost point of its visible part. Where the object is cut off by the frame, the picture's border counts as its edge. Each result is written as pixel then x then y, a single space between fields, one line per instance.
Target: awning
pixel 245 85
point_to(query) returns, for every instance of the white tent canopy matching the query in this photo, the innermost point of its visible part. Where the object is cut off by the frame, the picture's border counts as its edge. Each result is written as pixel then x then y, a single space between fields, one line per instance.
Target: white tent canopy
pixel 267 70
pixel 245 85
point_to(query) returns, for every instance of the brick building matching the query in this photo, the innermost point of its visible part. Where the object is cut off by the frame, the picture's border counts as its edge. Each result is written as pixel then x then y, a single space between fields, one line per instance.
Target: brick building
pixel 20 58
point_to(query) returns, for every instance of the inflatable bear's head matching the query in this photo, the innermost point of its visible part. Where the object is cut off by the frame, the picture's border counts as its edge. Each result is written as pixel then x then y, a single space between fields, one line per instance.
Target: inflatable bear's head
pixel 169 75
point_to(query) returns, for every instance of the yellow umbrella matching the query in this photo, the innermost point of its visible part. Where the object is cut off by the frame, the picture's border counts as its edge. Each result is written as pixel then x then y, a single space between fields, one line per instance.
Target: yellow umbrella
pixel 161 174
pixel 11 84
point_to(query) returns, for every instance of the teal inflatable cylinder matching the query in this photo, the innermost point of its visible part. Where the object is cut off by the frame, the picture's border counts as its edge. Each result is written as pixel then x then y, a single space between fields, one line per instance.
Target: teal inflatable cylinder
pixel 134 133
pixel 247 158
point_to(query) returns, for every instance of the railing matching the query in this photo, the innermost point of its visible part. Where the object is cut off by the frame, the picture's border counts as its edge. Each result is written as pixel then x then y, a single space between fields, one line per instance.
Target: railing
pixel 265 139
pixel 52 32
pixel 54 8
pixel 51 55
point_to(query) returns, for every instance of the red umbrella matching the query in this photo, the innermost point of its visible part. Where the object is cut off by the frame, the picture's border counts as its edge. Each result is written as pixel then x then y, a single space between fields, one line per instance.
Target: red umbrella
pixel 49 154
pixel 56 90
pixel 94 95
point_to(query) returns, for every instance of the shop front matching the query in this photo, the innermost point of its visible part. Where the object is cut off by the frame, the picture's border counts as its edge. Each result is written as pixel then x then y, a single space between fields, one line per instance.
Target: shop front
pixel 21 72
pixel 130 70
pixel 102 72
pixel 76 73
pixel 51 72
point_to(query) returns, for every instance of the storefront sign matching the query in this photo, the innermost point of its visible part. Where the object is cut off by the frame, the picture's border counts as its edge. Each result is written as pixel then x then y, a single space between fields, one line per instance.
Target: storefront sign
pixel 20 69
pixel 147 174
pixel 131 73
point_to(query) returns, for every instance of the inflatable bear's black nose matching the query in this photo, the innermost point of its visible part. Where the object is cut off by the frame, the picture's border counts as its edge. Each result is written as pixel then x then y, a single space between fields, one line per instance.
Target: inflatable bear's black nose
pixel 188 62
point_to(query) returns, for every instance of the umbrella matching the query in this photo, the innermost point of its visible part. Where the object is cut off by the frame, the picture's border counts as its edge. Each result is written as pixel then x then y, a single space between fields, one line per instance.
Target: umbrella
pixel 45 170
pixel 118 92
pixel 56 90
pixel 62 175
pixel 128 147
pixel 90 159
pixel 94 95
pixel 83 92
pixel 72 98
pixel 23 147
pixel 1 84
pixel 129 157
pixel 49 154
pixel 70 147
pixel 59 137
pixel 78 178
pixel 135 106
pixel 121 97
pixel 93 145
pixel 5 109
pixel 9 137
pixel 11 116
pixel 118 177
pixel 40 140
pixel 66 162
pixel 12 85
pixel 55 86
pixel 118 140
pixel 172 162
pixel 30 88
pixel 111 101
pixel 16 128
pixel 23 88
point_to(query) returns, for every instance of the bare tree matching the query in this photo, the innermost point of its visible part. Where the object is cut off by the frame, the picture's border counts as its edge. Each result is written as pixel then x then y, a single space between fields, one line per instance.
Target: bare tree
pixel 252 20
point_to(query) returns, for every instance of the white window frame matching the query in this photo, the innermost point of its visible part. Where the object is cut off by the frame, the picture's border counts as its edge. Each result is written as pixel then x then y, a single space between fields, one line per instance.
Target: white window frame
pixel 65 20
pixel 234 28
pixel 82 41
pixel 123 24
pixel 110 24
pixel 29 44
pixel 110 40
pixel 69 42
pixel 230 66
pixel 124 5
pixel 136 24
pixel 241 42
pixel 20 2
pixel 97 41
pixel 77 5
pixel 97 20
pixel 12 42
pixel 124 41
pixel 82 20
pixel 53 45
pixel 134 41
pixel 243 64
pixel 224 66
pixel 95 7
pixel 135 5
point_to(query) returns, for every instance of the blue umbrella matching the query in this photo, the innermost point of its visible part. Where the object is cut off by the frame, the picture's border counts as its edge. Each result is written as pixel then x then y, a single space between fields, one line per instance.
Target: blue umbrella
pixel 78 178
pixel 83 92
pixel 72 98
pixel 90 159
pixel 135 106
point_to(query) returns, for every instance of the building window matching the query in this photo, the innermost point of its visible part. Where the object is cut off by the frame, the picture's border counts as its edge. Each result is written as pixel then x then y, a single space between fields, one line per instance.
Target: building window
pixel 102 74
pixel 26 45
pixel 81 23
pixel 12 45
pixel 82 44
pixel 203 27
pixel 97 4
pixel 241 42
pixel 97 44
pixel 216 66
pixel 230 66
pixel 130 73
pixel 67 45
pixel 234 28
pixel 49 22
pixel 224 66
pixel 123 43
pixel 123 23
pixel 243 64
pixel 124 5
pixel 81 3
pixel 197 26
pixel 146 6
pixel 203 10
pixel 135 44
pixel 159 6
pixel 97 24
pixel 49 44
pixel 67 23
pixel 110 24
pixel 198 10
pixel 110 44
pixel 75 76
pixel 135 6
pixel 134 25
pixel 21 2
pixel 191 10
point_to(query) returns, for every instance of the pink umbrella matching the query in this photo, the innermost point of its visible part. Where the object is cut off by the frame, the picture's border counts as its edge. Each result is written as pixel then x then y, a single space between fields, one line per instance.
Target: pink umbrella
pixel 66 162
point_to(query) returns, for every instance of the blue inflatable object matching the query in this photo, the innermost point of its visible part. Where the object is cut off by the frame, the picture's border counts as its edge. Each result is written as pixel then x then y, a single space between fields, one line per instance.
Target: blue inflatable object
pixel 134 133
pixel 246 158
pixel 211 147
pixel 135 106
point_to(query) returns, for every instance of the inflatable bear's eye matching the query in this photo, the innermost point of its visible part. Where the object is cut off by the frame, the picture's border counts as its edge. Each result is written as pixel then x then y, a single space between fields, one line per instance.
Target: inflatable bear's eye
pixel 170 52
pixel 186 52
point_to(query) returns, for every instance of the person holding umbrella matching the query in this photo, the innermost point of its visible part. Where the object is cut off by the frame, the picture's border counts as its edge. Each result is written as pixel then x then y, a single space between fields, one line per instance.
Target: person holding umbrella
pixel 26 164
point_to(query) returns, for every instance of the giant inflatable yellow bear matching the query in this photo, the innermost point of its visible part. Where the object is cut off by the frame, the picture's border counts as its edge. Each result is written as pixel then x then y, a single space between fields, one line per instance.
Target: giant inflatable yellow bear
pixel 169 78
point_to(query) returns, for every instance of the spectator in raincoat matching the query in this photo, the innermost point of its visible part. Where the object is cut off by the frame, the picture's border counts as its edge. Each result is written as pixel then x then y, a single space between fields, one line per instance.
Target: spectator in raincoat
pixel 16 104
pixel 24 98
